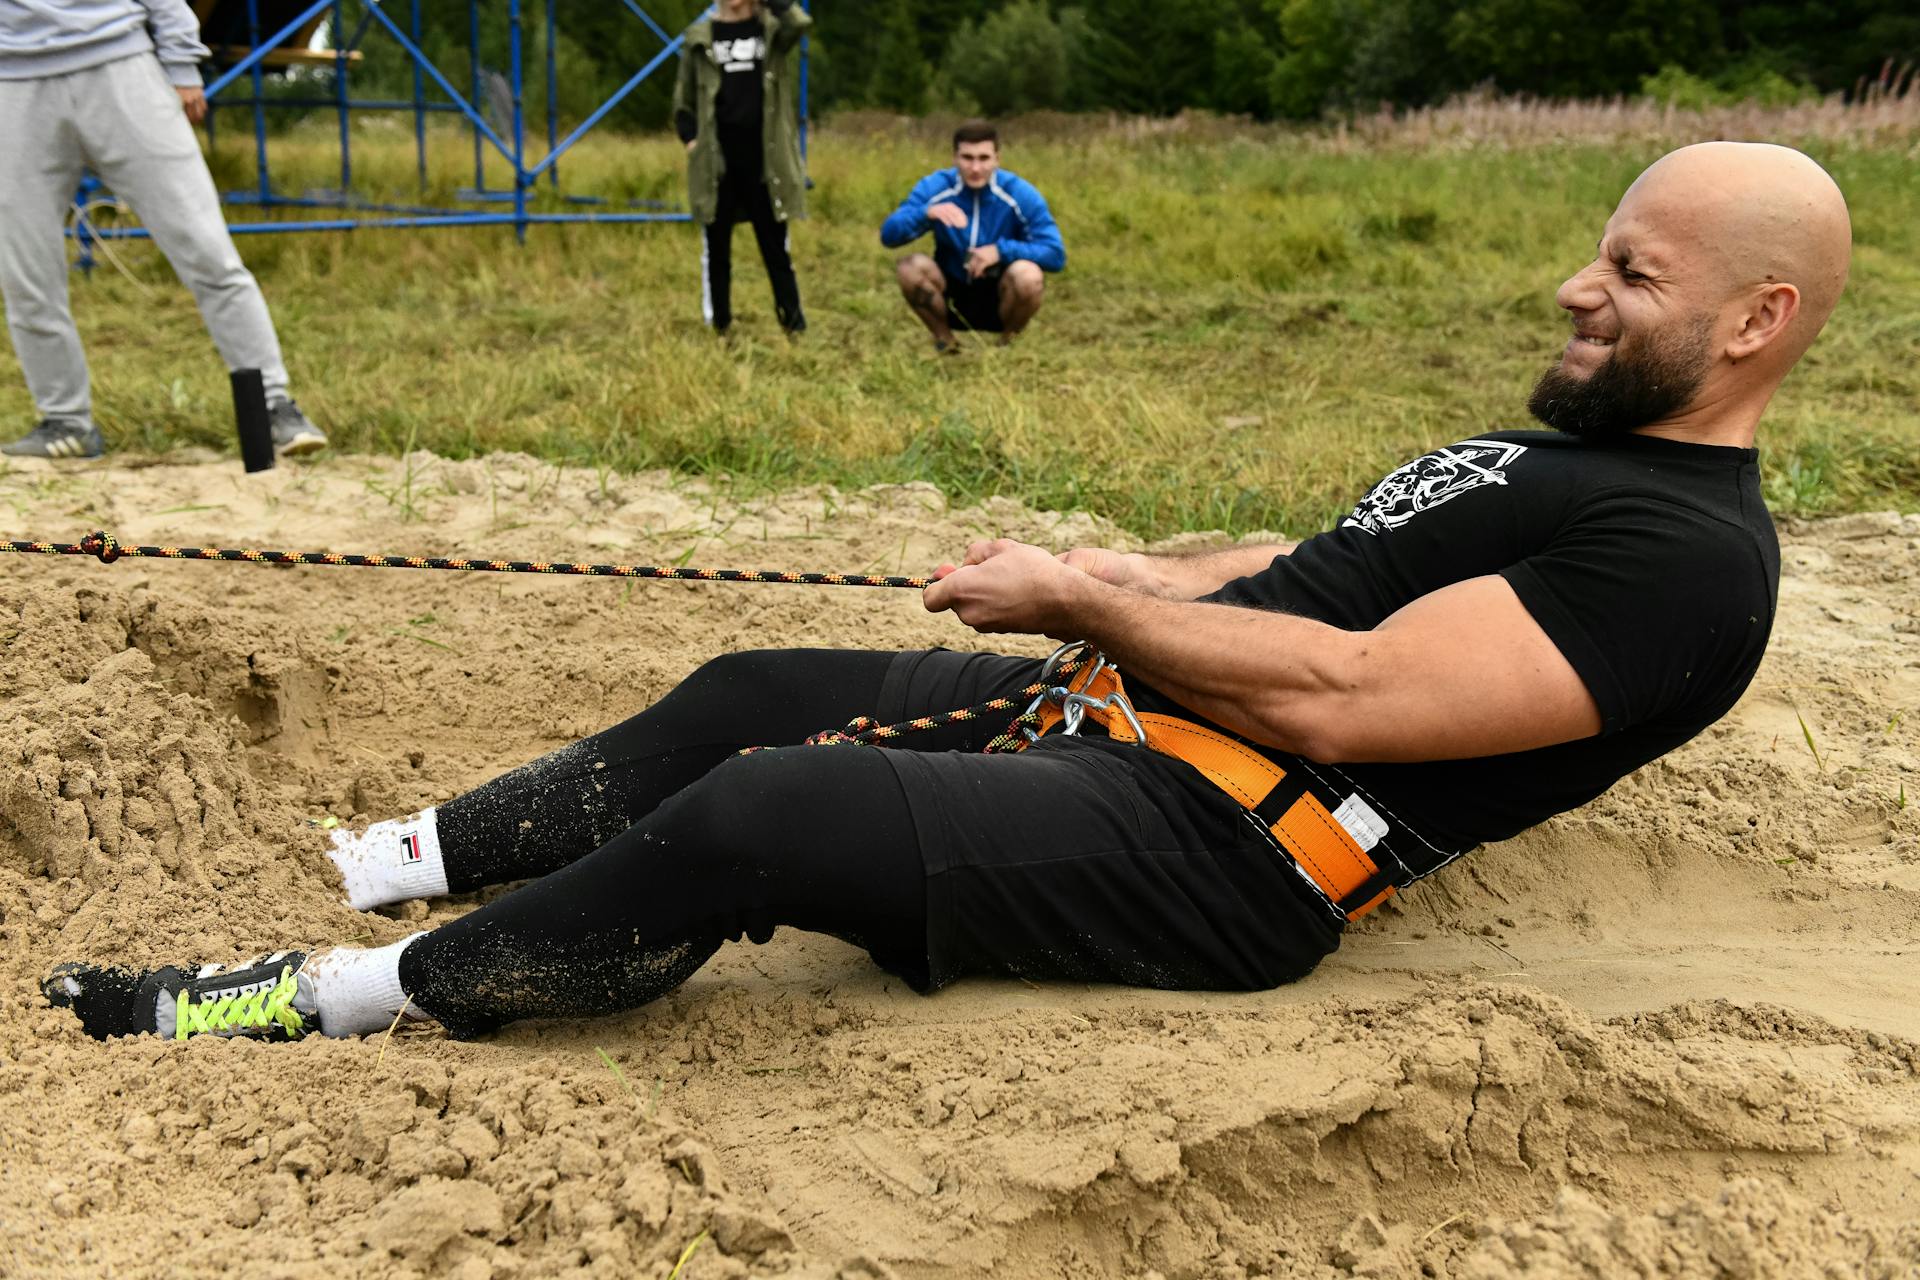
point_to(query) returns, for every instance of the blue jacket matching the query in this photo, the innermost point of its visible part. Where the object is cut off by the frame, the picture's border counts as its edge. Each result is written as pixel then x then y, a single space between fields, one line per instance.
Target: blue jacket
pixel 1008 212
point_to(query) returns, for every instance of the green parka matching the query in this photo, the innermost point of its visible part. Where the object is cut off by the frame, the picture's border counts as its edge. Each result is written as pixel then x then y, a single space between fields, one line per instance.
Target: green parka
pixel 696 91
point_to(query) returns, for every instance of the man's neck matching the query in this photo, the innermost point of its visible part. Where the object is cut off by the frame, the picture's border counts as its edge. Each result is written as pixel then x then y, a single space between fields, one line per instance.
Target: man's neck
pixel 1687 435
pixel 735 10
pixel 1729 417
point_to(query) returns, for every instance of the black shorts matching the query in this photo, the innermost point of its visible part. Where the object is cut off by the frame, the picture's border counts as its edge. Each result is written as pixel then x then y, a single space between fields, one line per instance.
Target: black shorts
pixel 1086 859
pixel 975 304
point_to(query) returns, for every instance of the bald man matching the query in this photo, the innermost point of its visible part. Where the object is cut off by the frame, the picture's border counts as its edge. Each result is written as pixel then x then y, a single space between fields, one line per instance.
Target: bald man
pixel 1498 632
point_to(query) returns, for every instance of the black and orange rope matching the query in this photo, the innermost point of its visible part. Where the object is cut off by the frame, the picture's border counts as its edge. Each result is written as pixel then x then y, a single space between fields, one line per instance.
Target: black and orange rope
pixel 106 548
pixel 864 731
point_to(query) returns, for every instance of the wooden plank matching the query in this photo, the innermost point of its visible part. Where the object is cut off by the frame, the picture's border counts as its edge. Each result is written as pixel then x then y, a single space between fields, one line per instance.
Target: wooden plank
pixel 227 54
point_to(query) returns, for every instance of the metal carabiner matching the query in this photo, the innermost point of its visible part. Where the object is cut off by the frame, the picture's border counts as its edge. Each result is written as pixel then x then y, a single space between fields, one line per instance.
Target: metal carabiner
pixel 1117 701
pixel 1058 656
pixel 1053 692
pixel 1074 708
pixel 1073 711
pixel 1073 704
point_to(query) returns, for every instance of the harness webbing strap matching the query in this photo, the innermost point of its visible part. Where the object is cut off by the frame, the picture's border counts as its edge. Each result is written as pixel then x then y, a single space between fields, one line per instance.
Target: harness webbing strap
pixel 1288 804
pixel 1274 805
pixel 1309 833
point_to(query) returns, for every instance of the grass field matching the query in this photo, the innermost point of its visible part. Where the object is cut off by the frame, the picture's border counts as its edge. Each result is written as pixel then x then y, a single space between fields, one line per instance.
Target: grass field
pixel 1254 323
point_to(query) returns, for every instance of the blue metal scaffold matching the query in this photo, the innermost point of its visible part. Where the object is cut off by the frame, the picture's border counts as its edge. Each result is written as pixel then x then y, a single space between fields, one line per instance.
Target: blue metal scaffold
pixel 287 45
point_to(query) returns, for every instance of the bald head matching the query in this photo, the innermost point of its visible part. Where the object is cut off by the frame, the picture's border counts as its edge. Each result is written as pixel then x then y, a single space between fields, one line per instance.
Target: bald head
pixel 1753 214
pixel 1712 278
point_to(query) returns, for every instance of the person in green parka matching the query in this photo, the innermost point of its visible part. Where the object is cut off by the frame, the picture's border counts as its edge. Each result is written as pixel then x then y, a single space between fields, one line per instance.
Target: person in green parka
pixel 734 108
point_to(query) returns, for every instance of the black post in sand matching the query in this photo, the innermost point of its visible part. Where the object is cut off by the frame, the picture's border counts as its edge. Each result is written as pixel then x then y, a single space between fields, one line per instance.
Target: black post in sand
pixel 250 415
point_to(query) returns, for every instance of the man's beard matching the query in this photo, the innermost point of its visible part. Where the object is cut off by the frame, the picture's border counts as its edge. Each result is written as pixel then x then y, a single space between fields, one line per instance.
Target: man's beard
pixel 1636 385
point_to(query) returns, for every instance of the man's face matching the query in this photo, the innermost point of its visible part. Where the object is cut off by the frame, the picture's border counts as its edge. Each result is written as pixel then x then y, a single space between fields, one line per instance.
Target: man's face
pixel 977 162
pixel 1645 316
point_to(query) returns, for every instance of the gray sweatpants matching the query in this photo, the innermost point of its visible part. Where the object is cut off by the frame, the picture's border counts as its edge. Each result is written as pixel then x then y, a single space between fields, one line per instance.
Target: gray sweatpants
pixel 124 120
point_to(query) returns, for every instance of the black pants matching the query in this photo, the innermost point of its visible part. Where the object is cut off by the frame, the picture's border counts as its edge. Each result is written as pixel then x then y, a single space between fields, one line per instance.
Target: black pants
pixel 746 199
pixel 654 842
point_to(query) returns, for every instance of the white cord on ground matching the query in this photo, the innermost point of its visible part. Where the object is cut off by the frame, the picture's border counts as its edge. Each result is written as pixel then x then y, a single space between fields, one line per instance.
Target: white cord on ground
pixel 77 219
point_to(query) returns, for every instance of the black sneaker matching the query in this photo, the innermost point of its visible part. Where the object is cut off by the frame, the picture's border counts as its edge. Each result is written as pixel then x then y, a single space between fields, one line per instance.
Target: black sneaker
pixel 293 432
pixel 58 438
pixel 267 999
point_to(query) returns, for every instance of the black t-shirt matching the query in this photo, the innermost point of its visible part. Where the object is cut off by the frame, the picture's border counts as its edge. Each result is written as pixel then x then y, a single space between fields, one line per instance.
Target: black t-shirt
pixel 1651 564
pixel 740 49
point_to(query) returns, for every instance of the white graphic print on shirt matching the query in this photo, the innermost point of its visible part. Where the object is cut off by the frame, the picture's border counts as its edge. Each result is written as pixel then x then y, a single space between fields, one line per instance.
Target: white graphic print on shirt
pixel 1427 482
pixel 739 55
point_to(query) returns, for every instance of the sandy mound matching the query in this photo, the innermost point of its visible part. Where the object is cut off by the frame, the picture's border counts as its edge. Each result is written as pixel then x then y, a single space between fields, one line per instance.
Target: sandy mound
pixel 1670 1035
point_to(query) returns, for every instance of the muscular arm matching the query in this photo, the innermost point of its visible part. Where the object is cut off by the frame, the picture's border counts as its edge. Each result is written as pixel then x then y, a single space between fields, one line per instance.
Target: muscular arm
pixel 1176 577
pixel 1464 671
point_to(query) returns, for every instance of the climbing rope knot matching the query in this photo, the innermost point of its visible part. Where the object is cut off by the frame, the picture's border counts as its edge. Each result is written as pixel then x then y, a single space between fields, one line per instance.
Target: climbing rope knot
pixel 101 544
pixel 851 734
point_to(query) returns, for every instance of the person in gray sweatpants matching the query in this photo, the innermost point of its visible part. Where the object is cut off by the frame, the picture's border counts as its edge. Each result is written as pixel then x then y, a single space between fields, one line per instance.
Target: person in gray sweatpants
pixel 115 85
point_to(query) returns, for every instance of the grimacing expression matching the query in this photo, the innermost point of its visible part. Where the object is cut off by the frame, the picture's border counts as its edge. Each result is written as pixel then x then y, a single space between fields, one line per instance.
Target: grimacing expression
pixel 977 162
pixel 1644 313
pixel 1646 376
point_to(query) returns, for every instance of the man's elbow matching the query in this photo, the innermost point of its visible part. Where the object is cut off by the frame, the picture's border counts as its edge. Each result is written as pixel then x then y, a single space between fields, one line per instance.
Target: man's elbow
pixel 1323 722
pixel 1306 732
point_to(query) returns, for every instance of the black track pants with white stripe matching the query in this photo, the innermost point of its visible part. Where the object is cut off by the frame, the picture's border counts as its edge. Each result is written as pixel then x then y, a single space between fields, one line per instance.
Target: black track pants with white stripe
pixel 747 202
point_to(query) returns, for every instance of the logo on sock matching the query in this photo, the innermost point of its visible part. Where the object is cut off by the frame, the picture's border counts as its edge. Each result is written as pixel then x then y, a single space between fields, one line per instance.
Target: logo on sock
pixel 410 847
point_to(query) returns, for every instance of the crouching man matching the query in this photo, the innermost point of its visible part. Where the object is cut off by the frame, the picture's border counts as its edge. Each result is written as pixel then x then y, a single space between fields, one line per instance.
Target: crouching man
pixel 993 241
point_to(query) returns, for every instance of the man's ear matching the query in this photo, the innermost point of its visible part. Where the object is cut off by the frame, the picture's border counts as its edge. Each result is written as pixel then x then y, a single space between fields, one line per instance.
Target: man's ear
pixel 1769 310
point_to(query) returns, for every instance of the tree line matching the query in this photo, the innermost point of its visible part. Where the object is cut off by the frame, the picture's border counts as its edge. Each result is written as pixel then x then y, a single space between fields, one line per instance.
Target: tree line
pixel 1271 59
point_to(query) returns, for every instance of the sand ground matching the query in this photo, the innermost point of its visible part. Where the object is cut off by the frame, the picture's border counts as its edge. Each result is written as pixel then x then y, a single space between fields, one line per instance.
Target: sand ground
pixel 1675 1033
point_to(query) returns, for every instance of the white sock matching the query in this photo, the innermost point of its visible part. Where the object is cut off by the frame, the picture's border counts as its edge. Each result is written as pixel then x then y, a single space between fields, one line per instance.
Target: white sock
pixel 391 861
pixel 357 993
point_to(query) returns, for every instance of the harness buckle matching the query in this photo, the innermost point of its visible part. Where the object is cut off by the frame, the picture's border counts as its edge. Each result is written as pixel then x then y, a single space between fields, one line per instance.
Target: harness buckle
pixel 1074 704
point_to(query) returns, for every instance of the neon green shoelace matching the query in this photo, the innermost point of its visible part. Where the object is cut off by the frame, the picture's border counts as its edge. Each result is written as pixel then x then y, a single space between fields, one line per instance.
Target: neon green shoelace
pixel 271 1006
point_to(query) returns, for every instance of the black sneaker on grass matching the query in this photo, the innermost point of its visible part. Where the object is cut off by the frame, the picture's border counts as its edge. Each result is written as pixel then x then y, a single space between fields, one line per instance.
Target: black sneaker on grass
pixel 57 438
pixel 266 999
pixel 293 432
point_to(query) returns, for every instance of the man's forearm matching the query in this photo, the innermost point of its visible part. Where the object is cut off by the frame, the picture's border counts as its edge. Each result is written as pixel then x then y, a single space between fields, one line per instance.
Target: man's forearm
pixel 1271 677
pixel 1190 577
pixel 905 225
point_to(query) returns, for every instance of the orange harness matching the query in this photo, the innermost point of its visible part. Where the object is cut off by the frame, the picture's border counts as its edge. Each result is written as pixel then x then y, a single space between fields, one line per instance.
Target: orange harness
pixel 1289 805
